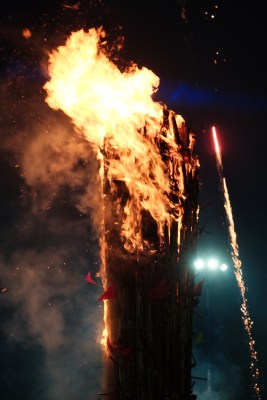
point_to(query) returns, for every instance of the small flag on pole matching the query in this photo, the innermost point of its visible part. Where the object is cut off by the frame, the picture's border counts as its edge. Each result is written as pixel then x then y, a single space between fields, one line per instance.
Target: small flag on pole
pixel 110 293
pixel 119 348
pixel 90 279
pixel 199 338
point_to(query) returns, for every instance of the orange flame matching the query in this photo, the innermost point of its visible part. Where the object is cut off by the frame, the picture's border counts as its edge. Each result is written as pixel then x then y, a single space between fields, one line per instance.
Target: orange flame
pixel 115 111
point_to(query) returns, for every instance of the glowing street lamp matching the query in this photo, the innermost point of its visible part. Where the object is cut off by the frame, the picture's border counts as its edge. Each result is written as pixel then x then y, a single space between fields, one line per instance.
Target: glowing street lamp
pixel 199 264
pixel 212 264
pixel 223 267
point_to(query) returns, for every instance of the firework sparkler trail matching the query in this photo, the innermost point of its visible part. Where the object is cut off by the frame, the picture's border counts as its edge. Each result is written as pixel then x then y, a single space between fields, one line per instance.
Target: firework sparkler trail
pixel 238 269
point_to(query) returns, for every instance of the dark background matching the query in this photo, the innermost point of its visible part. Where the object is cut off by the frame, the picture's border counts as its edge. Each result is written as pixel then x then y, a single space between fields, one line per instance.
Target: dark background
pixel 211 61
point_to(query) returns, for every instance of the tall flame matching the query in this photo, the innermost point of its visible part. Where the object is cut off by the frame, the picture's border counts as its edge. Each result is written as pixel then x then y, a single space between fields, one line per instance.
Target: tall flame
pixel 115 111
pixel 238 268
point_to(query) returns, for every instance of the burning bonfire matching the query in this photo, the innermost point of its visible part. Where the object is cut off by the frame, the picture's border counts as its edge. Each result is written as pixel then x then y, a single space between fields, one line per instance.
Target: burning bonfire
pixel 149 189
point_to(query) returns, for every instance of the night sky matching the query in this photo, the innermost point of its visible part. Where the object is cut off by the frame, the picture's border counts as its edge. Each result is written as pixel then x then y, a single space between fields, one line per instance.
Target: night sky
pixel 211 61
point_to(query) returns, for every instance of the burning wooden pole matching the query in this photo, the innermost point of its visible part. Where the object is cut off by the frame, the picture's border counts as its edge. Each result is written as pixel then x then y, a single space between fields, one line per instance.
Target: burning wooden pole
pixel 149 319
pixel 149 175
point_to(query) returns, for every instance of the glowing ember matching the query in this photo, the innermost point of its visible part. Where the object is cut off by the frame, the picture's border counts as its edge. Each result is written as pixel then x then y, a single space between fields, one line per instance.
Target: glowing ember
pixel 26 33
pixel 237 268
pixel 73 7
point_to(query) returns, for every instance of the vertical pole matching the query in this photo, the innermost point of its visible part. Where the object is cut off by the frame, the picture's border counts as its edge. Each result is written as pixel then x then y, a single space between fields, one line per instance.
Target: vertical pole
pixel 209 339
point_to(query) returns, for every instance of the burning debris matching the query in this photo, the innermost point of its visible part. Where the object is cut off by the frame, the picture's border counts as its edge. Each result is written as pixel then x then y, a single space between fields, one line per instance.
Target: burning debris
pixel 149 176
pixel 75 6
pixel 26 33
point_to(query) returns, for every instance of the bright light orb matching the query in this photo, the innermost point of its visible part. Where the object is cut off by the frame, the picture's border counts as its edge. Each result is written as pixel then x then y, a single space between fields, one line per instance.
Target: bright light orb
pixel 223 267
pixel 213 263
pixel 199 264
